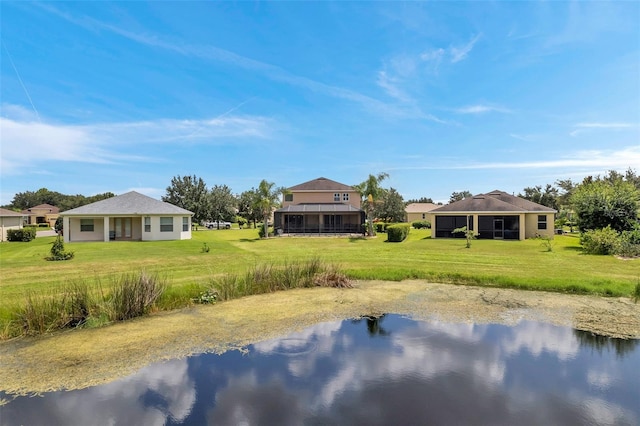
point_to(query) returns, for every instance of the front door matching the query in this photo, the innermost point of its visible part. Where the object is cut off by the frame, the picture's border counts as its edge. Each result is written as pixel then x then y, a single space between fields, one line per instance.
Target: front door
pixel 498 228
pixel 123 227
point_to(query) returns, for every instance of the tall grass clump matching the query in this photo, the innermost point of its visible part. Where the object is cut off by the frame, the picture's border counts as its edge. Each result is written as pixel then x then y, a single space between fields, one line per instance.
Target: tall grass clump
pixel 271 277
pixel 133 295
pixel 43 313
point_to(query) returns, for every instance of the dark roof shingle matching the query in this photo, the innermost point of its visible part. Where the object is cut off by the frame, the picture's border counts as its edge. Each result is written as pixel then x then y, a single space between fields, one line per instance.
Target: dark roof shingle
pixel 321 184
pixel 494 201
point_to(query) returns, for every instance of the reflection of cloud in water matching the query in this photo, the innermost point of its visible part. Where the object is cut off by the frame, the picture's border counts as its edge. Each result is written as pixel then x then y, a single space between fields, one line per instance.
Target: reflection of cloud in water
pixel 123 402
pixel 537 338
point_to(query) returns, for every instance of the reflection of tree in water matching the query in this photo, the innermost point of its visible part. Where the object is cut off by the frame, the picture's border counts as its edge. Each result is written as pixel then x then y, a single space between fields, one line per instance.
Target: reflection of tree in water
pixel 598 342
pixel 373 324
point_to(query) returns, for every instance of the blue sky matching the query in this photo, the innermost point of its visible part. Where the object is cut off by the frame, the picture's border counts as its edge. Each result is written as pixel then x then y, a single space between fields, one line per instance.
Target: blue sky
pixel 442 96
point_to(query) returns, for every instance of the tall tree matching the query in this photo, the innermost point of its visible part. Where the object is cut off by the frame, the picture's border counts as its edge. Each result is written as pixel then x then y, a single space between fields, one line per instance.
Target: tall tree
pixel 190 192
pixel 267 198
pixel 370 192
pixel 457 196
pixel 223 203
pixel 546 197
pixel 247 206
pixel 422 200
pixel 391 207
pixel 599 203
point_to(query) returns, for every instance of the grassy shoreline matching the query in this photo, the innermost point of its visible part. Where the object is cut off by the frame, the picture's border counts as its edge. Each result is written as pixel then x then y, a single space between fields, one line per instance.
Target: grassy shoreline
pixel 509 264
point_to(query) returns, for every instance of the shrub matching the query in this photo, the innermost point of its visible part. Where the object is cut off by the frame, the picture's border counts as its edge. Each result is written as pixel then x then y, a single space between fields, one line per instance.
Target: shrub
pixel 600 241
pixel 59 225
pixel 261 231
pixel 24 234
pixel 58 252
pixel 379 226
pixel 398 232
pixel 420 224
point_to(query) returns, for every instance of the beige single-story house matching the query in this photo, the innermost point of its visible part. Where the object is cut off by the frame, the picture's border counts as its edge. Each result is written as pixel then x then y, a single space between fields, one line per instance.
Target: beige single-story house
pixel 130 216
pixel 43 213
pixel 10 220
pixel 494 215
pixel 320 206
pixel 418 211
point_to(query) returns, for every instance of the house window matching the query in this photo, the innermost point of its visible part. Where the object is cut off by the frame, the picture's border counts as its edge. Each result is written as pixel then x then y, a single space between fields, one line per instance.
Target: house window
pixel 147 224
pixel 86 225
pixel 336 197
pixel 288 197
pixel 542 221
pixel 345 197
pixel 185 224
pixel 166 224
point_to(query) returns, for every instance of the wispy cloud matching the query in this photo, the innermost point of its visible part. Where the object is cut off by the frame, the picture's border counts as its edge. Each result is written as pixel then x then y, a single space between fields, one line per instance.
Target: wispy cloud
pixel 584 127
pixel 585 160
pixel 106 143
pixel 390 85
pixel 526 138
pixel 480 109
pixel 273 72
pixel 460 53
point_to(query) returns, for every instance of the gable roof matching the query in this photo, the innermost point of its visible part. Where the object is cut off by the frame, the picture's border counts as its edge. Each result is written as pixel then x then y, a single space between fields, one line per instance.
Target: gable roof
pixel 494 201
pixel 322 184
pixel 10 213
pixel 52 209
pixel 131 203
pixel 420 207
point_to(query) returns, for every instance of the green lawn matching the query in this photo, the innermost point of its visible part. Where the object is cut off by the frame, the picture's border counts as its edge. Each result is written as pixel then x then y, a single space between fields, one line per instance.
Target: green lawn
pixel 518 264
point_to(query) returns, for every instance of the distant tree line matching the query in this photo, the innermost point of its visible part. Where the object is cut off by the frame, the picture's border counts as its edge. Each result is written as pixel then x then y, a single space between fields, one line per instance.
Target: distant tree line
pixel 25 200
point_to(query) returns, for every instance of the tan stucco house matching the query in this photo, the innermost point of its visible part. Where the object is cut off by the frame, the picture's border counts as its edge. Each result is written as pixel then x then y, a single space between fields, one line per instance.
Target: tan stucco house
pixel 418 211
pixel 494 215
pixel 43 213
pixel 320 206
pixel 130 216
pixel 10 220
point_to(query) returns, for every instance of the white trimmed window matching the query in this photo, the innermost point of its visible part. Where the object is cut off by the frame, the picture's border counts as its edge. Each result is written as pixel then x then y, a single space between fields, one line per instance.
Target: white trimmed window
pixel 336 197
pixel 147 224
pixel 166 224
pixel 345 197
pixel 86 225
pixel 542 221
pixel 185 224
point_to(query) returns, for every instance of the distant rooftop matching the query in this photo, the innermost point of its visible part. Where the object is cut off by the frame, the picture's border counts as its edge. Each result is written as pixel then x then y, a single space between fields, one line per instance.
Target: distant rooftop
pixel 322 184
pixel 131 203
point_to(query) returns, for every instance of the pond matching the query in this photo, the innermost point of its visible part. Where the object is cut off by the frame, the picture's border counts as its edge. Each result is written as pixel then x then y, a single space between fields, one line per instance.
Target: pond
pixel 389 370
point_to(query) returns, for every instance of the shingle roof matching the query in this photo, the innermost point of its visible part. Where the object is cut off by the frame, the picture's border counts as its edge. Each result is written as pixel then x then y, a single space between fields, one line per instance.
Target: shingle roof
pixel 10 213
pixel 319 208
pixel 131 203
pixel 321 184
pixel 494 201
pixel 420 207
pixel 52 209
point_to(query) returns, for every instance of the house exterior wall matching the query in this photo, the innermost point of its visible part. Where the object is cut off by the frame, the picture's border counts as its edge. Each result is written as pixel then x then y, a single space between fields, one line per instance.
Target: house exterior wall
pixel 413 217
pixel 9 222
pixel 104 224
pixel 532 229
pixel 322 197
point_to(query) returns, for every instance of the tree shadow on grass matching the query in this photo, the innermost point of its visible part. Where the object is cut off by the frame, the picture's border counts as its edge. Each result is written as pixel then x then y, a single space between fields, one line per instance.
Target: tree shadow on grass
pixel 249 240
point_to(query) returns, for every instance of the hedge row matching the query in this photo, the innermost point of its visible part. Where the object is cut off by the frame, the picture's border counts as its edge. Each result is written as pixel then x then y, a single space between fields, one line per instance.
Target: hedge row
pixel 398 232
pixel 419 224
pixel 24 234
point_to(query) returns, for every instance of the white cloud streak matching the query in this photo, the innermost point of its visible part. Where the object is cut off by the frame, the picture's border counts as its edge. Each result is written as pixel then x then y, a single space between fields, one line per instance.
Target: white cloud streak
pixel 580 128
pixel 106 143
pixel 594 160
pixel 460 53
pixel 480 109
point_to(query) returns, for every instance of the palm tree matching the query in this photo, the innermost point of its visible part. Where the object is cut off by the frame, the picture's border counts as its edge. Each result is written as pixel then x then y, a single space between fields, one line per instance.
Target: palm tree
pixel 370 190
pixel 267 197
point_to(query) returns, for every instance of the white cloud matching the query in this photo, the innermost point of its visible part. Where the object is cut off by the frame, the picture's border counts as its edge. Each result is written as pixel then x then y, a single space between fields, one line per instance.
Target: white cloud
pixel 390 85
pixel 586 127
pixel 479 109
pixel 460 53
pixel 105 143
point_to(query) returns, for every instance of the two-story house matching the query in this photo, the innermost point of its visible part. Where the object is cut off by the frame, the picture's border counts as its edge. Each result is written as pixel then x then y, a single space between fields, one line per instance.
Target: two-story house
pixel 320 206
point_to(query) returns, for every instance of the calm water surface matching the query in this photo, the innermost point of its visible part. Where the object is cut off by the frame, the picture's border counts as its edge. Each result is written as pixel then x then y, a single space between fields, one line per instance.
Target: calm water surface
pixel 386 371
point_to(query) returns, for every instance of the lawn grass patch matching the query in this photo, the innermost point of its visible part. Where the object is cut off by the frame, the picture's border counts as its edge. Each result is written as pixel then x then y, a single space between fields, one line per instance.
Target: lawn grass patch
pixel 234 254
